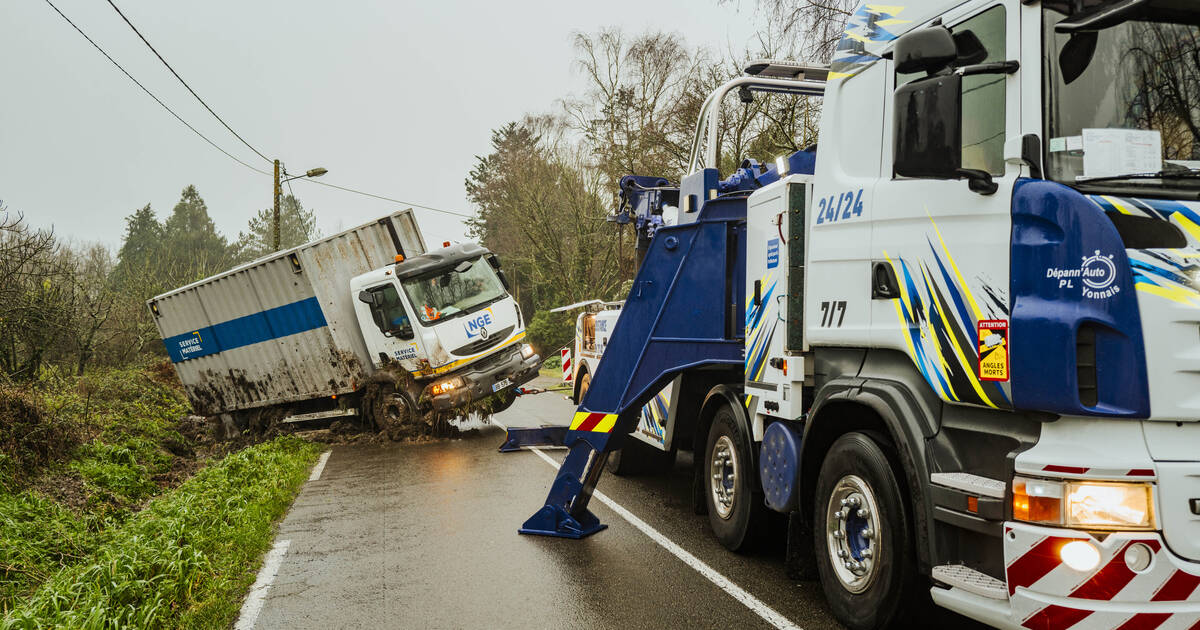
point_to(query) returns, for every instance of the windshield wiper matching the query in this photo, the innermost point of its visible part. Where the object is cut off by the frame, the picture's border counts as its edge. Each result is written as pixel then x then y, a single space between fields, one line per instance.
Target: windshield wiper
pixel 1187 173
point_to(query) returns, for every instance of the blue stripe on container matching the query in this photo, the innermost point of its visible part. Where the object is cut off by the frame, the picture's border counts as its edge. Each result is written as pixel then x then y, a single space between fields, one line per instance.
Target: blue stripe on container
pixel 273 323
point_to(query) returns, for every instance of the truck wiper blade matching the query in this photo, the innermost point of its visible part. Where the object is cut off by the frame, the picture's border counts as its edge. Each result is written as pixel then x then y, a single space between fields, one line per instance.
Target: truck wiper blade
pixel 1172 174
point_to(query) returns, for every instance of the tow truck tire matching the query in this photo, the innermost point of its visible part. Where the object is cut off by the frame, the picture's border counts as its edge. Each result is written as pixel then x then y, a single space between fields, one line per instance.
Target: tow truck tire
pixel 736 512
pixel 862 537
pixel 585 381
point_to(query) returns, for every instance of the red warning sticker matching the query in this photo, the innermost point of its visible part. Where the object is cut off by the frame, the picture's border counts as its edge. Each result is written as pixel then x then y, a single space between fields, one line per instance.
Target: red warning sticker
pixel 993 350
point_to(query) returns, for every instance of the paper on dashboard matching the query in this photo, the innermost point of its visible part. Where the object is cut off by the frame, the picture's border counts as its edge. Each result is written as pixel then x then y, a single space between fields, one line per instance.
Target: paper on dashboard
pixel 1109 152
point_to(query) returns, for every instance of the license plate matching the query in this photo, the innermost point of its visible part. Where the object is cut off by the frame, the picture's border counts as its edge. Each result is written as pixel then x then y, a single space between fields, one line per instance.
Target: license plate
pixel 501 384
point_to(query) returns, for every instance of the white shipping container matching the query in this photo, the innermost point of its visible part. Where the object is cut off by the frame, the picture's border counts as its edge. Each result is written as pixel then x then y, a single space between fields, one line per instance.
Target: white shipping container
pixel 281 328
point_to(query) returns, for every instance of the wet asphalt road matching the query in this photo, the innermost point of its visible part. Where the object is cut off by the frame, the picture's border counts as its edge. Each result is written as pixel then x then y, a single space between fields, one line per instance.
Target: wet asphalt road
pixel 425 536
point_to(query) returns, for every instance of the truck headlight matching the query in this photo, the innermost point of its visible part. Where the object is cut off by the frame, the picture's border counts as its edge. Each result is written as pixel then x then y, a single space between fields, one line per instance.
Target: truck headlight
pixel 450 384
pixel 526 351
pixel 1110 505
pixel 1084 504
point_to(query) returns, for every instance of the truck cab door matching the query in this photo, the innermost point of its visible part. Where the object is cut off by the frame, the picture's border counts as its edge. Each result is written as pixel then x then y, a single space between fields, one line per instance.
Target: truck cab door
pixel 387 326
pixel 946 238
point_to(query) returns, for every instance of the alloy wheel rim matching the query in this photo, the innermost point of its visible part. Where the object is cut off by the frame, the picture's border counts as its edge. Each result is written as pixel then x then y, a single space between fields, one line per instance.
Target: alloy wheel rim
pixel 724 473
pixel 853 533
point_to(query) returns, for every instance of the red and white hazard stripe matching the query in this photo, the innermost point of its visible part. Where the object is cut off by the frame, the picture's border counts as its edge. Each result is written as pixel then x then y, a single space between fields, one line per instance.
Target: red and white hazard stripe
pixel 1046 594
pixel 568 370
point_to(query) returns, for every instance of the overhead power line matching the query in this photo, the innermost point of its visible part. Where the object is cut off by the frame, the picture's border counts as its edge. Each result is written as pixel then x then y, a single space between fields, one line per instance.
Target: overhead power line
pixel 149 93
pixel 215 145
pixel 407 203
pixel 185 84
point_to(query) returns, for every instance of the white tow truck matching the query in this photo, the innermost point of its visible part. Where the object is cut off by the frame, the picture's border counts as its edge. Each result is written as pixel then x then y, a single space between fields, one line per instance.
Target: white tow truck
pixel 957 341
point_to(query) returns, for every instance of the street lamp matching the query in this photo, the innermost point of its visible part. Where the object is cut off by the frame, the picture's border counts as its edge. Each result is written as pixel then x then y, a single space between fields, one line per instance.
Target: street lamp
pixel 312 172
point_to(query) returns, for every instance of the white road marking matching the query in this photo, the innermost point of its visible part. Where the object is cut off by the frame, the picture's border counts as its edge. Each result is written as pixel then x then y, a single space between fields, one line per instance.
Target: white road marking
pixel 749 601
pixel 320 467
pixel 258 592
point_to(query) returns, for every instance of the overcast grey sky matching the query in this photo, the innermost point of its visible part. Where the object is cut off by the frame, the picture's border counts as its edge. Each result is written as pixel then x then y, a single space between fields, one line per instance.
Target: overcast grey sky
pixel 395 98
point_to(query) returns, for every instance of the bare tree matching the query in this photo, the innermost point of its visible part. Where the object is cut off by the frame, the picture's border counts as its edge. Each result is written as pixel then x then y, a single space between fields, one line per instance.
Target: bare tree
pixel 90 305
pixel 817 24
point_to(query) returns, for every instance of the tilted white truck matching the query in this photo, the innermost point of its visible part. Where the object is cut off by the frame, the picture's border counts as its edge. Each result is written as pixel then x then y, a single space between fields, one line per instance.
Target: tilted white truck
pixel 364 322
pixel 959 342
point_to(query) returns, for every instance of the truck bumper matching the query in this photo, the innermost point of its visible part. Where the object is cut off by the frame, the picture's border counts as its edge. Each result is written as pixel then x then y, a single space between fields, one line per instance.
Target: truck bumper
pixel 1044 593
pixel 480 378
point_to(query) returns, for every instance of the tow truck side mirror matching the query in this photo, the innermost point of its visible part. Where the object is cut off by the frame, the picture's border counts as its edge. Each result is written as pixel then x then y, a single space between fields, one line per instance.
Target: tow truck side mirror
pixel 928 128
pixel 366 297
pixel 929 49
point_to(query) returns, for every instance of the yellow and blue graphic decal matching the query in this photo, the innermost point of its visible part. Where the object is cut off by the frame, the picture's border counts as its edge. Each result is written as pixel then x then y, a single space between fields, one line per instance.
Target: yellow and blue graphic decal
pixel 871 26
pixel 1184 215
pixel 654 415
pixel 941 319
pixel 1168 273
pixel 272 323
pixel 759 329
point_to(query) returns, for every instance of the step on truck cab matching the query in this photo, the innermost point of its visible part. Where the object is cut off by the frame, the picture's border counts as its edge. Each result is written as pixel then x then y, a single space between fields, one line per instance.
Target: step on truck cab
pixel 957 342
pixel 365 322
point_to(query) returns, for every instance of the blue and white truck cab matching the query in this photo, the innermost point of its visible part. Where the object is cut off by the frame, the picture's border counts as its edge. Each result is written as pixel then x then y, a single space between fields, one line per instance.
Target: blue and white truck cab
pixel 958 342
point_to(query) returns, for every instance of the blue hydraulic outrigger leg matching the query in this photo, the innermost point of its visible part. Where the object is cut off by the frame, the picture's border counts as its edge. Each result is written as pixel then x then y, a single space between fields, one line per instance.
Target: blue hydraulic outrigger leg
pixel 669 323
pixel 685 310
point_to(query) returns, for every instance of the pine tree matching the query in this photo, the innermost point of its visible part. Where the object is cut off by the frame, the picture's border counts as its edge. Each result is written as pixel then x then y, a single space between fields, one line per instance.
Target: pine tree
pixel 193 249
pixel 140 247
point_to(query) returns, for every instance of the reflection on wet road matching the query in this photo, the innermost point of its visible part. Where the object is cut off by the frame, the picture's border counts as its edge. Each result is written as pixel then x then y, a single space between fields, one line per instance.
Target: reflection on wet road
pixel 425 536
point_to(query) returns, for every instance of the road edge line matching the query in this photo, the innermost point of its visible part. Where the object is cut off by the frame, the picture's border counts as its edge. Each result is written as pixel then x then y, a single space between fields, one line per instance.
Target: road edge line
pixel 756 605
pixel 258 592
pixel 320 467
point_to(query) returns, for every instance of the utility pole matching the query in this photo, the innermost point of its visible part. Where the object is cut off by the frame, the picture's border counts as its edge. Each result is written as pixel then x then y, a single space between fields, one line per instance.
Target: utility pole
pixel 275 214
pixel 312 172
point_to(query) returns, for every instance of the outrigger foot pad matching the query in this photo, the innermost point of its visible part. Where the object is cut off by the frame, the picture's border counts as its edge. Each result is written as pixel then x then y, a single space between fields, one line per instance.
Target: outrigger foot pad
pixel 519 437
pixel 552 520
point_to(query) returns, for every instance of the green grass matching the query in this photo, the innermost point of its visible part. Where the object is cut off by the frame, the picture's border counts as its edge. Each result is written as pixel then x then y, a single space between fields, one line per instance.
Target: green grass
pixel 187 558
pixel 100 525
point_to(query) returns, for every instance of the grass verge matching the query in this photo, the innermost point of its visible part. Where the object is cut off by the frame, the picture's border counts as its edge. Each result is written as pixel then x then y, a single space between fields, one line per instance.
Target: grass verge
pixel 186 559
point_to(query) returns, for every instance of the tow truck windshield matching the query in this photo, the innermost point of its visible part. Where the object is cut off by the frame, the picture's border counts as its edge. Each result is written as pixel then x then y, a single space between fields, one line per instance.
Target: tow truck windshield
pixel 444 294
pixel 1123 100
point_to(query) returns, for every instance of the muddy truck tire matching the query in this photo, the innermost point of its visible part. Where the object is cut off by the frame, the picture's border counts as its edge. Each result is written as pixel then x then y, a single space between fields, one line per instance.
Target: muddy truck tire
pixel 390 405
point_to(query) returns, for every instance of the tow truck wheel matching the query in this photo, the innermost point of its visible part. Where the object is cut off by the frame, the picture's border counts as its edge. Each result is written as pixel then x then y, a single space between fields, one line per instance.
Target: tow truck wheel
pixel 585 382
pixel 862 537
pixel 735 510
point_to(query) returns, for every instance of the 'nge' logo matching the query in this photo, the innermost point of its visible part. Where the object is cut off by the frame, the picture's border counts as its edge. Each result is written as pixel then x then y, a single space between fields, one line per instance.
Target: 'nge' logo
pixel 474 326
